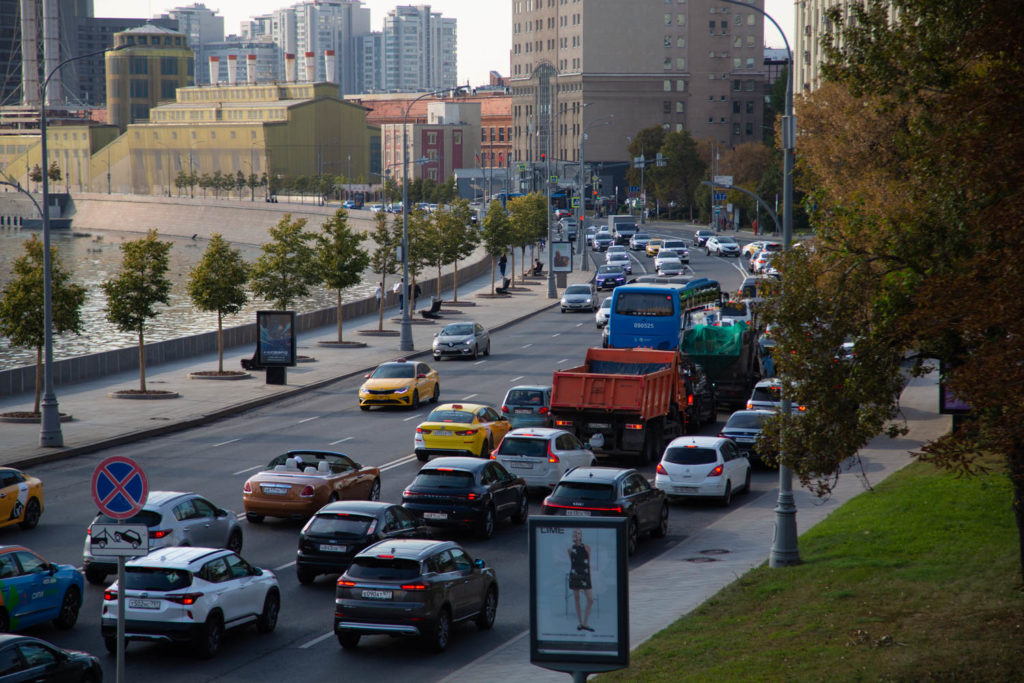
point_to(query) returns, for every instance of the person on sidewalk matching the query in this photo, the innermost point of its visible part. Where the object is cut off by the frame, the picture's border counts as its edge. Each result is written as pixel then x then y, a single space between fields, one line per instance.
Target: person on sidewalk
pixel 379 293
pixel 502 264
pixel 399 290
pixel 414 293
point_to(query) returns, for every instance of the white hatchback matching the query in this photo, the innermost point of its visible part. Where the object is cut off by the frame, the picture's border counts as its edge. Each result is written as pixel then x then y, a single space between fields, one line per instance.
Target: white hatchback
pixel 702 467
pixel 541 455
pixel 601 317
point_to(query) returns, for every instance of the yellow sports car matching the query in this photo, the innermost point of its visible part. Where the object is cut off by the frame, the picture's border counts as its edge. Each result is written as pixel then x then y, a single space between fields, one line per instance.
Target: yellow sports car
pixel 654 246
pixel 400 383
pixel 21 498
pixel 460 429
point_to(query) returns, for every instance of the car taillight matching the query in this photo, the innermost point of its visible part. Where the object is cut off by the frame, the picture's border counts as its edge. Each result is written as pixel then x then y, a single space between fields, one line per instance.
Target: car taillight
pixel 617 509
pixel 184 598
pixel 307 491
pixel 408 494
pixel 494 454
pixel 563 423
pixel 466 432
pixel 750 405
pixel 345 583
pixel 421 430
pixel 247 488
pixel 504 409
pixel 551 455
pixel 159 533
pixel 543 410
pixel 717 472
pixel 414 586
pixel 471 496
pixel 660 469
pixel 109 595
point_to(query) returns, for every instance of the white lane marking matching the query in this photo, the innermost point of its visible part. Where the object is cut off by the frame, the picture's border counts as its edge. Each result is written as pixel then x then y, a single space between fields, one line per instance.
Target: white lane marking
pixel 479 362
pixel 564 360
pixel 308 419
pixel 335 443
pixel 466 398
pixel 397 463
pixel 285 566
pixel 516 379
pixel 579 324
pixel 316 641
pixel 556 334
pixel 526 346
pixel 225 443
pixel 239 516
pixel 414 417
pixel 247 469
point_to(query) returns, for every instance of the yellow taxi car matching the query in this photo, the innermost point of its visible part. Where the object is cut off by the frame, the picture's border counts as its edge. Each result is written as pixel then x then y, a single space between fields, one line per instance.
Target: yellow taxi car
pixel 400 383
pixel 21 498
pixel 654 246
pixel 460 429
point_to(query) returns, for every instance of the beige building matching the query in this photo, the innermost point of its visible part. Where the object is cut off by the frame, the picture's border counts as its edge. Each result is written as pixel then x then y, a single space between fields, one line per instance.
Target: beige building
pixel 151 64
pixel 696 65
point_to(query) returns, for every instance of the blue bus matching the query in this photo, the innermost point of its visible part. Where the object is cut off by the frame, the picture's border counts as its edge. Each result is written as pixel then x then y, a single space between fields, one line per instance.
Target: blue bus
pixel 645 316
pixel 701 292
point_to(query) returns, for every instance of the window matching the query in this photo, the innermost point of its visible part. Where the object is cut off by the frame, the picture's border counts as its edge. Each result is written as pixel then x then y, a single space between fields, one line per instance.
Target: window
pixel 735 106
pixel 168 66
pixel 680 42
pixel 680 85
pixel 167 89
pixel 711 27
pixel 667 63
pixel 666 107
pixel 750 62
pixel 751 19
pixel 750 106
pixel 431 138
pixel 138 88
pixel 680 63
pixel 138 66
pixel 736 61
pixel 681 19
pixel 750 128
pixel 668 20
pixel 668 41
pixel 667 85
pixel 457 137
pixel 680 107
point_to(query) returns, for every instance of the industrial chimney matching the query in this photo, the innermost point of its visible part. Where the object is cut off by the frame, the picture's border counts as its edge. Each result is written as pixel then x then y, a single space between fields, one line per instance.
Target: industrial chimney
pixel 232 69
pixel 214 70
pixel 289 67
pixel 330 62
pixel 310 67
pixel 250 69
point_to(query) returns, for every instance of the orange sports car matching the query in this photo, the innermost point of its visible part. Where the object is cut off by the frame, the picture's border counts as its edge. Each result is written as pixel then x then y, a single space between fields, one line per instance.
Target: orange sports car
pixel 21 498
pixel 298 483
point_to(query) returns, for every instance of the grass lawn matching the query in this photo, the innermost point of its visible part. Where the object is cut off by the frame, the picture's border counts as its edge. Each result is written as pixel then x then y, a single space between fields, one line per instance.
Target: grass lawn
pixel 918 580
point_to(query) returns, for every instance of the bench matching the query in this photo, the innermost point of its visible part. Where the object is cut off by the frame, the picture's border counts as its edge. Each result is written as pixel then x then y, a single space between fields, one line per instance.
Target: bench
pixel 538 269
pixel 505 284
pixel 433 312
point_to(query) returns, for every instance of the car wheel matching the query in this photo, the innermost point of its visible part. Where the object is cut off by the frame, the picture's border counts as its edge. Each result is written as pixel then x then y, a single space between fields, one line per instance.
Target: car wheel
pixel 563 310
pixel 422 457
pixel 486 528
pixel 305 575
pixel 441 632
pixel 96 577
pixel 488 609
pixel 253 518
pixel 268 617
pixel 32 513
pixel 208 641
pixel 661 530
pixel 69 606
pixel 363 407
pixel 437 359
pixel 632 537
pixel 522 510
pixel 746 482
pixel 726 499
pixel 375 490
pixel 707 252
pixel 487 349
pixel 415 400
pixel 349 641
pixel 110 643
pixel 437 393
pixel 235 541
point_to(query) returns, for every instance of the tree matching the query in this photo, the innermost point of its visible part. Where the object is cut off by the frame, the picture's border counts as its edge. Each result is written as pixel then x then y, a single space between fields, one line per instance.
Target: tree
pixel 217 283
pixel 36 174
pixel 54 172
pixel 912 149
pixel 181 181
pixel 205 182
pixel 497 234
pixel 239 182
pixel 340 258
pixel 458 239
pixel 383 258
pixel 528 216
pixel 133 295
pixel 217 183
pixel 21 304
pixel 422 247
pixel 392 190
pixel 647 143
pixel 679 179
pixel 285 270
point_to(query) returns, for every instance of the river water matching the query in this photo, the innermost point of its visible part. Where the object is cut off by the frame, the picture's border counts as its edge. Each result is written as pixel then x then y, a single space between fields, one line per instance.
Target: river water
pixel 95 256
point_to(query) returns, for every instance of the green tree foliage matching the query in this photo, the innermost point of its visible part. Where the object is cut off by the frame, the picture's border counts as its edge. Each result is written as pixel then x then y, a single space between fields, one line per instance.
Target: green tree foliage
pixel 457 238
pixel 496 234
pixel 36 174
pixel 218 283
pixel 383 259
pixel 422 245
pixel 133 295
pixel 285 270
pixel 647 143
pixel 54 173
pixel 912 149
pixel 528 217
pixel 679 179
pixel 340 257
pixel 21 304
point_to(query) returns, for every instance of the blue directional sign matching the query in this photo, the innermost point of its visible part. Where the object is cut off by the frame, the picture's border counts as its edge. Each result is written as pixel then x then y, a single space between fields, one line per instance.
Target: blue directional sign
pixel 119 487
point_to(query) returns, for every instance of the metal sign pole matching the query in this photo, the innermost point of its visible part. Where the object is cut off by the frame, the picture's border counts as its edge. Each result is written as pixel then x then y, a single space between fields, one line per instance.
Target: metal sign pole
pixel 120 618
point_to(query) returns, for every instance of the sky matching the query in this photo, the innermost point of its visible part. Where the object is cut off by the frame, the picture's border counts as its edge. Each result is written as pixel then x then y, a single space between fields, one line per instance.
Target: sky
pixel 484 26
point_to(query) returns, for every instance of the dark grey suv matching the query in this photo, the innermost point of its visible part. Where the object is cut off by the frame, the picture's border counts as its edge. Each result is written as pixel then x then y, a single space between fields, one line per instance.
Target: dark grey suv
pixel 417 588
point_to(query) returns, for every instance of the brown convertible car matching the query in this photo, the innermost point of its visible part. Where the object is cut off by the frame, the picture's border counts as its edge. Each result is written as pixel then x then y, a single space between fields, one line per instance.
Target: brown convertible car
pixel 298 483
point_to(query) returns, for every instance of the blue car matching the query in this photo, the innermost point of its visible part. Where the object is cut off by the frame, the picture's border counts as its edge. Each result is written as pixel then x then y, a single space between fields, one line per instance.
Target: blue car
pixel 609 276
pixel 33 591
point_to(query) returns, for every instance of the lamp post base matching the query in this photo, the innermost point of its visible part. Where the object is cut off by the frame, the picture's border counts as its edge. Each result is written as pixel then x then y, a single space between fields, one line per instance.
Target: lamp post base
pixel 50 434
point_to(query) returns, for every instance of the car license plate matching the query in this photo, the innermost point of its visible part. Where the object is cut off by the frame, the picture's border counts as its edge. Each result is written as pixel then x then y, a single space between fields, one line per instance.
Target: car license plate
pixel 523 411
pixel 443 432
pixel 274 490
pixel 599 425
pixel 577 513
pixel 743 439
pixel 434 515
pixel 333 548
pixel 522 465
pixel 685 489
pixel 138 603
pixel 377 595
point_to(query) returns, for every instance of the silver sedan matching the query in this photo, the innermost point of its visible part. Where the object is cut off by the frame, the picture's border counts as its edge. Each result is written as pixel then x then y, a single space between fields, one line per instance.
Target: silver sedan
pixel 462 339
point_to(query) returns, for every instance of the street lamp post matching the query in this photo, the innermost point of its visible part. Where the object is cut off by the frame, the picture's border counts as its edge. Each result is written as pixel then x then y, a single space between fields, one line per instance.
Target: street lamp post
pixel 784 551
pixel 583 185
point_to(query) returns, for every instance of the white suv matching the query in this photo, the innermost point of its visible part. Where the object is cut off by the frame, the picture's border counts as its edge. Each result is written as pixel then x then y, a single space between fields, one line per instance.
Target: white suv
pixel 541 455
pixel 191 595
pixel 722 245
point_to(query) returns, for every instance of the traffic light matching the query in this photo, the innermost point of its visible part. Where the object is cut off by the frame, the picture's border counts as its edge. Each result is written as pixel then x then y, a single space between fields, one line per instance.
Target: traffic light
pixel 543 157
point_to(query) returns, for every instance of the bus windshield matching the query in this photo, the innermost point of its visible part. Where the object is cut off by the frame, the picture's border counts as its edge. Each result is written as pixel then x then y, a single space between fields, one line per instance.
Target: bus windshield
pixel 645 316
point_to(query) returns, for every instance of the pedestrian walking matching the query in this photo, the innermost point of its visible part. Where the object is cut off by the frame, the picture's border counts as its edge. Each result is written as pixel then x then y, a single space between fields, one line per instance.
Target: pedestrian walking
pixel 379 293
pixel 502 263
pixel 399 290
pixel 414 293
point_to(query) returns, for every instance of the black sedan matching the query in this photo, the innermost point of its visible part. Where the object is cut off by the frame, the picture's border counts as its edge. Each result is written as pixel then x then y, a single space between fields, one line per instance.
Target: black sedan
pixel 23 658
pixel 611 492
pixel 333 536
pixel 466 492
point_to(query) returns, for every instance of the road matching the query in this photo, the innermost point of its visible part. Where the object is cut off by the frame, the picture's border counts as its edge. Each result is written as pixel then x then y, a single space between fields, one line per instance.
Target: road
pixel 215 460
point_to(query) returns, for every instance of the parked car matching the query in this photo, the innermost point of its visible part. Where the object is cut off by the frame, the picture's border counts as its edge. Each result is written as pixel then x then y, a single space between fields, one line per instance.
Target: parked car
pixel 173 518
pixel 190 595
pixel 471 429
pixel 744 427
pixel 399 383
pixel 466 339
pixel 333 536
pixel 351 204
pixel 611 492
pixel 542 456
pixel 601 317
pixel 703 467
pixel 581 296
pixel 528 406
pixel 680 247
pixel 21 498
pixel 609 277
pixel 639 240
pixel 297 483
pixel 413 588
pixel 701 237
pixel 30 659
pixel 468 493
pixel 722 245
pixel 34 591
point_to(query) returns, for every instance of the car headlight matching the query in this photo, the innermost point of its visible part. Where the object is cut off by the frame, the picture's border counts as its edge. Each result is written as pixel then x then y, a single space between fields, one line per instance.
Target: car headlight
pixel 588 300
pixel 402 390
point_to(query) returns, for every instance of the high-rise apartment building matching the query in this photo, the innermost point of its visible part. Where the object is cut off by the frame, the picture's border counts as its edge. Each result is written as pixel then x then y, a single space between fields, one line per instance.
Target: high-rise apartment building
pixel 694 65
pixel 811 25
pixel 419 50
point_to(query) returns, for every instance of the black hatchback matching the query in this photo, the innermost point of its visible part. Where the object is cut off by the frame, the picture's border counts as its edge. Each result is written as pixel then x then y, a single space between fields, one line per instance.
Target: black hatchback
pixel 338 531
pixel 611 492
pixel 466 492
pixel 30 659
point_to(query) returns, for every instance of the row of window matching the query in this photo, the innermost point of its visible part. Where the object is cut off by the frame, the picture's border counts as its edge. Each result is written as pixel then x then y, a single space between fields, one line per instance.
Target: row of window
pixel 501 134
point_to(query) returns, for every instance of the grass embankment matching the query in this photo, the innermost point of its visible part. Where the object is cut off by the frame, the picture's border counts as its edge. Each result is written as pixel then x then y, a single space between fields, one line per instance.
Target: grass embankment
pixel 917 581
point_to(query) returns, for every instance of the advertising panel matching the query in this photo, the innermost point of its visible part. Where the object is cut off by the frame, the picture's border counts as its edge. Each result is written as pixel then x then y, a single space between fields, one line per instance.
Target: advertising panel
pixel 561 257
pixel 275 343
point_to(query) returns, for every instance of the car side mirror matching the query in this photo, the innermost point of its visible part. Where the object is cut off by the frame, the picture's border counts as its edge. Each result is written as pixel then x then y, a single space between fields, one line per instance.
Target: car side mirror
pixel 437 333
pixel 421 376
pixel 479 564
pixel 257 571
pixel 366 376
pixel 221 512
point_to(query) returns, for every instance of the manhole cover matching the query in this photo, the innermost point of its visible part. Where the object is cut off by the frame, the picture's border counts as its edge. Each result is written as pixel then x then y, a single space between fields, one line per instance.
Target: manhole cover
pixel 700 559
pixel 714 551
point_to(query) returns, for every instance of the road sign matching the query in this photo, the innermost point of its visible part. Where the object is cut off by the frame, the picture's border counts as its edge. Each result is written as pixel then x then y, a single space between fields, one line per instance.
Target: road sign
pixel 720 195
pixel 575 202
pixel 723 180
pixel 119 487
pixel 113 540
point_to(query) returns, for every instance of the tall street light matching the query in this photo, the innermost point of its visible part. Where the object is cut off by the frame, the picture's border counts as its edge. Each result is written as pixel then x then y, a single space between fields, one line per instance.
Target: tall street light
pixel 784 551
pixel 405 341
pixel 50 435
pixel 604 121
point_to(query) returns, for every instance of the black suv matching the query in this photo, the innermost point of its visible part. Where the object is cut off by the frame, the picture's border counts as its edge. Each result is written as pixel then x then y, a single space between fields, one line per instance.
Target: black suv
pixel 744 428
pixel 413 588
pixel 466 492
pixel 333 536
pixel 611 492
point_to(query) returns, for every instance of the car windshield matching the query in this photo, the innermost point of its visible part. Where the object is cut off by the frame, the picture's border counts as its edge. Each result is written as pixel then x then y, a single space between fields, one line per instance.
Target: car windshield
pixel 690 455
pixel 156 579
pixel 340 524
pixel 645 303
pixel 150 518
pixel 609 270
pixel 457 330
pixel 444 479
pixel 525 397
pixel 578 289
pixel 518 445
pixel 607 303
pixel 773 246
pixel 744 421
pixel 641 236
pixel 383 569
pixel 726 240
pixel 394 370
pixel 673 244
pixel 772 394
pixel 449 415
pixel 581 490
